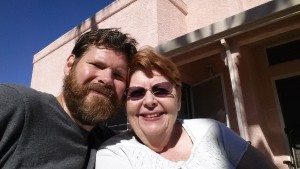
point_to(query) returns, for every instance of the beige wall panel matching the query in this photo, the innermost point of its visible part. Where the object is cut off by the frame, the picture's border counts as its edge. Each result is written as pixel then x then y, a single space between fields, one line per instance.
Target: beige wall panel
pixel 47 73
pixel 202 13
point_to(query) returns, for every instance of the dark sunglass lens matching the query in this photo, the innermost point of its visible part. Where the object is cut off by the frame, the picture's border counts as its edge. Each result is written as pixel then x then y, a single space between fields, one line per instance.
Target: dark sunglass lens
pixel 136 93
pixel 160 92
pixel 162 89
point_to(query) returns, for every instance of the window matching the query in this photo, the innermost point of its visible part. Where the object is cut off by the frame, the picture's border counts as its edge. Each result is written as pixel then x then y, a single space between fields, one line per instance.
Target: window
pixel 283 53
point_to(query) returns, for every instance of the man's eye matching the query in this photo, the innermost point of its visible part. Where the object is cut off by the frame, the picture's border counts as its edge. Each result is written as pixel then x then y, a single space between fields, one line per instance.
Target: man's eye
pixel 94 65
pixel 97 66
pixel 118 76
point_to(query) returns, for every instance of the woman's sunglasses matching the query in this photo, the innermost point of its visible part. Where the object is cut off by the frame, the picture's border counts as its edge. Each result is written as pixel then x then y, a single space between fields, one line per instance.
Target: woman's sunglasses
pixel 163 89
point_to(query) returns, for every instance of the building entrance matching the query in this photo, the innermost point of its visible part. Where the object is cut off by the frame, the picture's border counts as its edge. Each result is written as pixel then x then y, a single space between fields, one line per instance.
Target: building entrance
pixel 209 99
pixel 288 90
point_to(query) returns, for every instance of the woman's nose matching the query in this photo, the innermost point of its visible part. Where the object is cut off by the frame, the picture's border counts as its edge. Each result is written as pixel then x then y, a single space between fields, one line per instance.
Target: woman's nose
pixel 149 99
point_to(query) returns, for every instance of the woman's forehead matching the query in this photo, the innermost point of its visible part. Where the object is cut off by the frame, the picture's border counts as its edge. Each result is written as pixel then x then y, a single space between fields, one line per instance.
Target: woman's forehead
pixel 139 77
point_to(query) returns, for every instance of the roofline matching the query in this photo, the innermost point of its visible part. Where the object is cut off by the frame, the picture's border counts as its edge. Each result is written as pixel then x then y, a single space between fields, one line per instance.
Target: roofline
pixel 253 18
pixel 90 23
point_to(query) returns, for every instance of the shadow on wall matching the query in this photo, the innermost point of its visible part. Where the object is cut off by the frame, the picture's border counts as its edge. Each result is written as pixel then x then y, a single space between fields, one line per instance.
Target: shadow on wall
pixel 81 27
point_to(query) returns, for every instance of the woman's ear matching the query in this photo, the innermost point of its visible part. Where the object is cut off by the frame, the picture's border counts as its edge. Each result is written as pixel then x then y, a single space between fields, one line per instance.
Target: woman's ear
pixel 178 98
pixel 69 64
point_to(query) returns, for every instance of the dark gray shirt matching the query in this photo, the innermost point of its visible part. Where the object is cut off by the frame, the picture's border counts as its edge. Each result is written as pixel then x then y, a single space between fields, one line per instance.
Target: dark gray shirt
pixel 35 132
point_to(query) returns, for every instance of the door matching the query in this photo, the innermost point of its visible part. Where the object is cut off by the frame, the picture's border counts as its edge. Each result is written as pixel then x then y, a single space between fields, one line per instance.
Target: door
pixel 288 91
pixel 208 99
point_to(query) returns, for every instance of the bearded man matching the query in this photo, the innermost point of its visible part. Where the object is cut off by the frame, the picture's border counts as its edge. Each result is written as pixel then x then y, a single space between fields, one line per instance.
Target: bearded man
pixel 39 130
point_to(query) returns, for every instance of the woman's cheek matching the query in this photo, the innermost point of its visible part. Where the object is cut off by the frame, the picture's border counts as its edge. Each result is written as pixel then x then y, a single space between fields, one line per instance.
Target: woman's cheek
pixel 132 109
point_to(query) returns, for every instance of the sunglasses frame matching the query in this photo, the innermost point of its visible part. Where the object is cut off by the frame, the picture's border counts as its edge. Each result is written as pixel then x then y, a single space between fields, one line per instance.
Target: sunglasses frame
pixel 159 90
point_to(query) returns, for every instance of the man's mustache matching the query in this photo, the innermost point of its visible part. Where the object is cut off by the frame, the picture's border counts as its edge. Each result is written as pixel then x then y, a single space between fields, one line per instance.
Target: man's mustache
pixel 105 90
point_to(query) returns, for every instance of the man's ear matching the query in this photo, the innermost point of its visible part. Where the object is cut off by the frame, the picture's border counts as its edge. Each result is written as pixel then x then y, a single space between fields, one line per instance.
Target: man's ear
pixel 69 64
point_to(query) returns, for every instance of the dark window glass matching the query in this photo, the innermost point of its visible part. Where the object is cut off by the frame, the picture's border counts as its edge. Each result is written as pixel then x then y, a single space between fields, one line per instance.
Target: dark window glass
pixel 284 53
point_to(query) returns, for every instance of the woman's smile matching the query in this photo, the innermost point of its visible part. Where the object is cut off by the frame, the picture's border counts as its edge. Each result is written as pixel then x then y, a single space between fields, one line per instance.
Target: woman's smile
pixel 151 116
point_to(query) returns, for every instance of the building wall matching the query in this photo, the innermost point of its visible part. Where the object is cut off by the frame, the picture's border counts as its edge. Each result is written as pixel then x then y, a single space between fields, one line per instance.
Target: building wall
pixel 190 32
pixel 150 26
pixel 260 114
pixel 202 13
pixel 171 20
pixel 47 74
pixel 158 22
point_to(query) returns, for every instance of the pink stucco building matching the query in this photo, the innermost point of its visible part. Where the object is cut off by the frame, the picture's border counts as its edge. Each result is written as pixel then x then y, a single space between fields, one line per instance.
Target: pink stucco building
pixel 240 62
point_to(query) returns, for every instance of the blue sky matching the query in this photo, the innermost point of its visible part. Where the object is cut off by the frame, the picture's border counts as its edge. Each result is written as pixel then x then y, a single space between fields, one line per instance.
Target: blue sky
pixel 27 26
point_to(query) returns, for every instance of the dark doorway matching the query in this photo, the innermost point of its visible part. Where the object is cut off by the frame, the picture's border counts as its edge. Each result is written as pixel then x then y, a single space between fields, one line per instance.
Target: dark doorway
pixel 209 99
pixel 288 90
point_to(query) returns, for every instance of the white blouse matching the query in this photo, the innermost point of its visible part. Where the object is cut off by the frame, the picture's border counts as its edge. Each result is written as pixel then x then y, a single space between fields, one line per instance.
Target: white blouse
pixel 214 146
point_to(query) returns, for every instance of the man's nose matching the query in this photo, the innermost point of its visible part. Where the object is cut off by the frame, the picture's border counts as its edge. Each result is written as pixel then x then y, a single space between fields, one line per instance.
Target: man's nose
pixel 105 77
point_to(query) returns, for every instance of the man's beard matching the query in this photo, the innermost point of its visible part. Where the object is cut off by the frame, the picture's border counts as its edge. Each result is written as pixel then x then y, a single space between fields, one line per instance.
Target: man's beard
pixel 97 108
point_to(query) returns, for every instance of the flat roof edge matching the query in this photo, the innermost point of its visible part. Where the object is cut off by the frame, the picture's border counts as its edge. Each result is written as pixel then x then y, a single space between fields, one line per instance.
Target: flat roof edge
pixel 89 23
pixel 250 19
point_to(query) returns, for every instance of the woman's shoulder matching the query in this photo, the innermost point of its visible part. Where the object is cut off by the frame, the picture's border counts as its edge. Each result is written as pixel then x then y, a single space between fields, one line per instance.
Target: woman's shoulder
pixel 123 145
pixel 200 127
pixel 123 139
pixel 199 123
pixel 125 151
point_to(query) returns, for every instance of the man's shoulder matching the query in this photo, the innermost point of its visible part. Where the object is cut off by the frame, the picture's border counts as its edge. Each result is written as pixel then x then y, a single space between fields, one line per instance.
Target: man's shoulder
pixel 100 134
pixel 6 87
pixel 103 130
pixel 15 89
pixel 14 96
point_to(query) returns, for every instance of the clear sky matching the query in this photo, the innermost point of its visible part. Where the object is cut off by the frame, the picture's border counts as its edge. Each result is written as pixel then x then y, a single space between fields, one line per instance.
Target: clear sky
pixel 28 26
